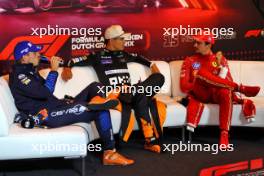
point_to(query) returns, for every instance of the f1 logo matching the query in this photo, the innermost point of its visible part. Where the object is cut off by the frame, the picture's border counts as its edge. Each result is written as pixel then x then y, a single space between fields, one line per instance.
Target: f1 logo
pixel 225 169
pixel 254 33
pixel 51 45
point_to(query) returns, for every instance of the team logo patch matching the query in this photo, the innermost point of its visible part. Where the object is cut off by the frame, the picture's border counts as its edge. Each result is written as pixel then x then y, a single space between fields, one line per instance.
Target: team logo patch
pixel 24 51
pixel 119 80
pixel 79 59
pixel 77 110
pixel 108 61
pixel 21 76
pixel 214 64
pixel 106 57
pixel 26 81
pixel 196 65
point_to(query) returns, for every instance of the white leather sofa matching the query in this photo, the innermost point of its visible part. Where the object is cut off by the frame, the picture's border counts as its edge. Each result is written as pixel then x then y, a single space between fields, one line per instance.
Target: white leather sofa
pixel 16 142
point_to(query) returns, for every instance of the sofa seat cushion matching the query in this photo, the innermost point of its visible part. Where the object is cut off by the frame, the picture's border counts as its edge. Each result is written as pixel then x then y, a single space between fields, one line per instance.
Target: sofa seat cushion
pixel 24 143
pixel 211 114
pixel 176 112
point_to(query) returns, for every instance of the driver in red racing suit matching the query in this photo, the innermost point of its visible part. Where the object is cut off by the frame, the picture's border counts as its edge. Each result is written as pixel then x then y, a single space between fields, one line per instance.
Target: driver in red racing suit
pixel 206 78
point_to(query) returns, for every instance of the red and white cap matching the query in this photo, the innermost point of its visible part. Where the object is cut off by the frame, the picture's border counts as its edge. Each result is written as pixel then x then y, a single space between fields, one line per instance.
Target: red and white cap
pixel 115 31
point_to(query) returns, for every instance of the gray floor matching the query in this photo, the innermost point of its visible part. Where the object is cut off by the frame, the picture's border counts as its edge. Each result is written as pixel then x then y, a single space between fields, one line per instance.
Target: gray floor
pixel 248 142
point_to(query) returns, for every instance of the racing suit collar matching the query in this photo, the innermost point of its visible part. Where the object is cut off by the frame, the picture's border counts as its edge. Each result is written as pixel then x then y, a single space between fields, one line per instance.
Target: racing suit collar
pixel 205 56
pixel 110 51
pixel 20 68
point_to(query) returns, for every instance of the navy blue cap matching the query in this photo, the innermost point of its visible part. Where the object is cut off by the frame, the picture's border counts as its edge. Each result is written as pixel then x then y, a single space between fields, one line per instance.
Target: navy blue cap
pixel 25 47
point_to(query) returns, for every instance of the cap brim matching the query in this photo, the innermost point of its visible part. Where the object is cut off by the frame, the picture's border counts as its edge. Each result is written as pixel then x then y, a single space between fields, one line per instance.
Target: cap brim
pixel 36 48
pixel 126 36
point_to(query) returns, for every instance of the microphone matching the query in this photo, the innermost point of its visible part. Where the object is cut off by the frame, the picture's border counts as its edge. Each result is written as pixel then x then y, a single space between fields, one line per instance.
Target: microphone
pixel 45 60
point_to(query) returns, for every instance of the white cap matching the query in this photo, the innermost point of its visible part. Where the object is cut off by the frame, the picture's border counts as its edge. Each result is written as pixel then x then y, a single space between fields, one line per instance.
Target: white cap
pixel 115 31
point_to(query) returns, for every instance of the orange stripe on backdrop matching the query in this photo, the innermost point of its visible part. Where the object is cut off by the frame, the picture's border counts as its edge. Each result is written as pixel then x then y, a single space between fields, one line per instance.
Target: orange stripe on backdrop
pixel 214 6
pixel 210 4
pixel 197 5
pixel 183 3
pixel 57 45
pixel 192 3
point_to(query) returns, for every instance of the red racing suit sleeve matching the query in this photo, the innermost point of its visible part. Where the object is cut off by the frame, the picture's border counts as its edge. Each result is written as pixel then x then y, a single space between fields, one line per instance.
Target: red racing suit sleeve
pixel 186 82
pixel 224 63
pixel 248 106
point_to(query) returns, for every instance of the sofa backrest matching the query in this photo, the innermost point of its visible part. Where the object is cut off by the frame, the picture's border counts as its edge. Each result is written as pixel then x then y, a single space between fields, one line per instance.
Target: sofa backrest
pixel 252 74
pixel 83 76
pixel 175 67
pixel 246 72
pixel 8 109
pixel 140 72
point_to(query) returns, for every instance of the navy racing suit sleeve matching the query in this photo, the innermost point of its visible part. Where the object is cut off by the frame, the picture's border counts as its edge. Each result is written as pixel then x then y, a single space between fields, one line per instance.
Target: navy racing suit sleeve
pixel 138 59
pixel 51 80
pixel 33 88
